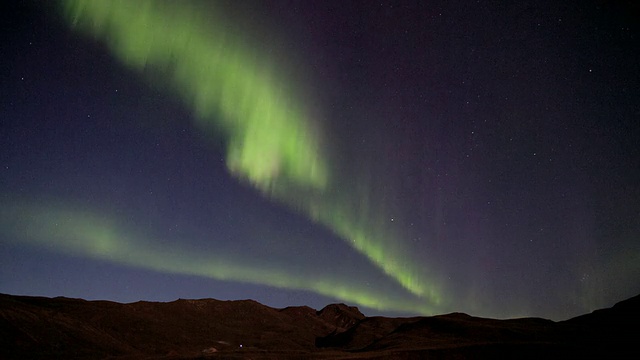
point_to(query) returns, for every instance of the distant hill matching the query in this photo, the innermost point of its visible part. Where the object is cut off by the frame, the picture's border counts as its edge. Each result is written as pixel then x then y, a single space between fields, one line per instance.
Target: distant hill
pixel 45 328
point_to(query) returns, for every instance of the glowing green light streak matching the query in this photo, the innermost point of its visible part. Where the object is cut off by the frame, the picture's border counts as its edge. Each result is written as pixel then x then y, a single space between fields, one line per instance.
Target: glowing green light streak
pixel 384 255
pixel 82 233
pixel 220 77
pixel 239 91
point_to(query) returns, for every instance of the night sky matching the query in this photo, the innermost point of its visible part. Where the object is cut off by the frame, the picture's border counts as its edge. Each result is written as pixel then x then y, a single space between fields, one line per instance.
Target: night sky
pixel 409 158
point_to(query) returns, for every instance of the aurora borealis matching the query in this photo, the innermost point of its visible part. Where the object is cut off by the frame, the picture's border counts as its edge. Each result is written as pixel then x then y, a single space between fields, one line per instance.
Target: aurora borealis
pixel 412 158
pixel 269 141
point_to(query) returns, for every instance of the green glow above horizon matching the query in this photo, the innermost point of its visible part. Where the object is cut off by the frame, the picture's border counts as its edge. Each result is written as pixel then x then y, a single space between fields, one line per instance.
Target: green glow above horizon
pixel 272 139
pixel 71 230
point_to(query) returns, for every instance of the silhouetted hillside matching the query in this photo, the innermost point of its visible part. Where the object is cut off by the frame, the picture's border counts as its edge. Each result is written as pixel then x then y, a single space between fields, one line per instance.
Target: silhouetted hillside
pixel 43 328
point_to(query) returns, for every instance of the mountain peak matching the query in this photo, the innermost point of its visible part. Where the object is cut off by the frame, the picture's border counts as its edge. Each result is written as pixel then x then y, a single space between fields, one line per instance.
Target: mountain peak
pixel 342 316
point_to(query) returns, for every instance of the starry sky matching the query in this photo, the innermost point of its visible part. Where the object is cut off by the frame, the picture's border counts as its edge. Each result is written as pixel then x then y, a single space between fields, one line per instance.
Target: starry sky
pixel 406 157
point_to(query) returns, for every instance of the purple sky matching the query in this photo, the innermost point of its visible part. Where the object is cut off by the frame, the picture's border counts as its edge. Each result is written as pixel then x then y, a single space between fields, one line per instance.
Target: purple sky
pixel 500 140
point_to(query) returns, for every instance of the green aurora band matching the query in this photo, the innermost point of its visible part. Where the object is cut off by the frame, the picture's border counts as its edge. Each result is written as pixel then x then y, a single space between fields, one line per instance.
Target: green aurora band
pixel 72 230
pixel 272 141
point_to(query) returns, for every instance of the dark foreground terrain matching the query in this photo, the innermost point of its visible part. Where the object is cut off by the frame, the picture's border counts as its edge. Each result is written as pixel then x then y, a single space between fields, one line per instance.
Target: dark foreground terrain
pixel 62 328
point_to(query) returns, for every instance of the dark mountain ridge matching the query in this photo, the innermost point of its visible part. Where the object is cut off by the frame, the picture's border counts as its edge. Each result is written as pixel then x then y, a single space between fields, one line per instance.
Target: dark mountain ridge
pixel 44 328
